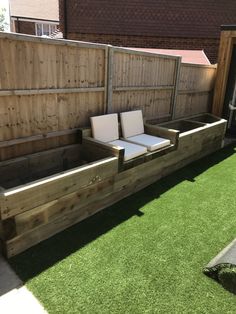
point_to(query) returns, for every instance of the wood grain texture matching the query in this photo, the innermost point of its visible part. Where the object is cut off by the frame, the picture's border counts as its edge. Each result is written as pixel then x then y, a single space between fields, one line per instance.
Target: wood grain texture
pixel 227 40
pixel 56 86
pixel 196 84
pixel 39 223
pixel 143 81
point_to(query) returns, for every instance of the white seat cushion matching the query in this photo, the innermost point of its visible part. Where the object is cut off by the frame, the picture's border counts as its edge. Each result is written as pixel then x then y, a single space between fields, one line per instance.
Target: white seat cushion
pixel 151 142
pixel 105 128
pixel 131 123
pixel 131 150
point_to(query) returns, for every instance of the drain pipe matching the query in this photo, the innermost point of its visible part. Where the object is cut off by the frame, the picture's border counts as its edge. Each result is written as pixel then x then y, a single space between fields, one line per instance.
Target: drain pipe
pixel 232 107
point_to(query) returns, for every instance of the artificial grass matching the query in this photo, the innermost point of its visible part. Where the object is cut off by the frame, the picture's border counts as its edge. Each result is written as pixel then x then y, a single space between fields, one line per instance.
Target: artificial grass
pixel 146 253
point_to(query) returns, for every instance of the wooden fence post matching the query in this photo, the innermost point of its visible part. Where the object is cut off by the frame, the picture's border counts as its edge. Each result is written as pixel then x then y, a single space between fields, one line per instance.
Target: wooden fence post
pixel 110 78
pixel 176 88
pixel 106 79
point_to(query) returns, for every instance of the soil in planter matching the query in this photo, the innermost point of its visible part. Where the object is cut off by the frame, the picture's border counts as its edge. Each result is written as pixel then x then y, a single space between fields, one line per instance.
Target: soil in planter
pixel 205 118
pixel 32 167
pixel 182 125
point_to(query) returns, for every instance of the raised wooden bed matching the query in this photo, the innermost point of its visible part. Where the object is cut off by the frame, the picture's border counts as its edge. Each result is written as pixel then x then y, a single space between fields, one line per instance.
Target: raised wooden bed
pixel 199 136
pixel 44 193
pixel 182 125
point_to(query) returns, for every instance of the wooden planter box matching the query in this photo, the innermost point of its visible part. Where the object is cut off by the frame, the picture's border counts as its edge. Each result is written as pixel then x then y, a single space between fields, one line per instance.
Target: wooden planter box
pixel 199 136
pixel 45 193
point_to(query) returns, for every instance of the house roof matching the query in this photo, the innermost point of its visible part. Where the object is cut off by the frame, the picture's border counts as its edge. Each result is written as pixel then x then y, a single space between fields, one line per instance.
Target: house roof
pixel 172 18
pixel 36 9
pixel 188 56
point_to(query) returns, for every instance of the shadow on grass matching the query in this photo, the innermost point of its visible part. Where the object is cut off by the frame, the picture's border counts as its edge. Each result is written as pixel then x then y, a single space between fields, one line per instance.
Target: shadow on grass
pixel 44 255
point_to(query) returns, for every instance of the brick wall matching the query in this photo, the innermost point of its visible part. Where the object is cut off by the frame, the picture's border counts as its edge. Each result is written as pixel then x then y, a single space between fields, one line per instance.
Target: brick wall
pixel 167 24
pixel 160 18
pixel 209 45
pixel 25 27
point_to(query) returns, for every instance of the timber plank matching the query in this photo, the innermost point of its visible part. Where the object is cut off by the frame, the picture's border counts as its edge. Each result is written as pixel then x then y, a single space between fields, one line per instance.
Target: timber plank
pixel 57 208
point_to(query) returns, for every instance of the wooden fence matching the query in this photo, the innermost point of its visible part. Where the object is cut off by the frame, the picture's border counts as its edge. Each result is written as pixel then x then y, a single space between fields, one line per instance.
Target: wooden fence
pixel 141 80
pixel 49 88
pixel 195 88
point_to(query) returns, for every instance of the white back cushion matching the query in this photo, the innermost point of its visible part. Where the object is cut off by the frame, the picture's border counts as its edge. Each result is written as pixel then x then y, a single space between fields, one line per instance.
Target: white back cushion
pixel 132 123
pixel 105 128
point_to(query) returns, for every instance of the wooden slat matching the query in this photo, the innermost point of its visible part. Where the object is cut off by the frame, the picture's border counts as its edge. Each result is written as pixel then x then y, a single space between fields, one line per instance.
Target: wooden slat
pixel 180 92
pixel 137 88
pixel 55 209
pixel 51 41
pixel 110 79
pixel 106 69
pixel 174 96
pixel 40 91
pixel 154 130
pixel 144 53
pixel 24 140
pixel 195 65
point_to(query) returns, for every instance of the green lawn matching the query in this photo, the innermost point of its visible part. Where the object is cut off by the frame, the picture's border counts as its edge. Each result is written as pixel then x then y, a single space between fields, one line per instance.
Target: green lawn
pixel 146 253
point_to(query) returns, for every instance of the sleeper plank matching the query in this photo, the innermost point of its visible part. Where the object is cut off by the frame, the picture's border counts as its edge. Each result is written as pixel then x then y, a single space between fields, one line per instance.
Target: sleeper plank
pixel 57 208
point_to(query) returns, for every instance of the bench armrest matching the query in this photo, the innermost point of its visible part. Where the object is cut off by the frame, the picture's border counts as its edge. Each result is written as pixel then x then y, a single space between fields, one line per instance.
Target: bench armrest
pixel 155 130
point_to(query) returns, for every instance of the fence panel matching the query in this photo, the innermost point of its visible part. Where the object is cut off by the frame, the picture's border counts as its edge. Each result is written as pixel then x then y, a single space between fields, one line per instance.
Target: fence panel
pixel 49 85
pixel 196 83
pixel 140 80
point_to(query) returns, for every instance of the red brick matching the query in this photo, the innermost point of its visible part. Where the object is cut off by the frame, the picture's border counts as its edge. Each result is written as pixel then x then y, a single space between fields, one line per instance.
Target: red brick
pixel 170 24
pixel 162 18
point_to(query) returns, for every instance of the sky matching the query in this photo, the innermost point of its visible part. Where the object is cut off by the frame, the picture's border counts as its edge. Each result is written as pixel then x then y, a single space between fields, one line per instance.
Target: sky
pixel 5 4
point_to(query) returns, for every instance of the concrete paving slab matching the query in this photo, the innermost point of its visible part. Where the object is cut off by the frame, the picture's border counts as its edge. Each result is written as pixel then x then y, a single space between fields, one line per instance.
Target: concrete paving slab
pixel 20 301
pixel 8 278
pixel 14 297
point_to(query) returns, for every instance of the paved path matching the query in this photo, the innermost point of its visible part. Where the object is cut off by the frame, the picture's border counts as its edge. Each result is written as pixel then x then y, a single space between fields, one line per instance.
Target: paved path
pixel 14 297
